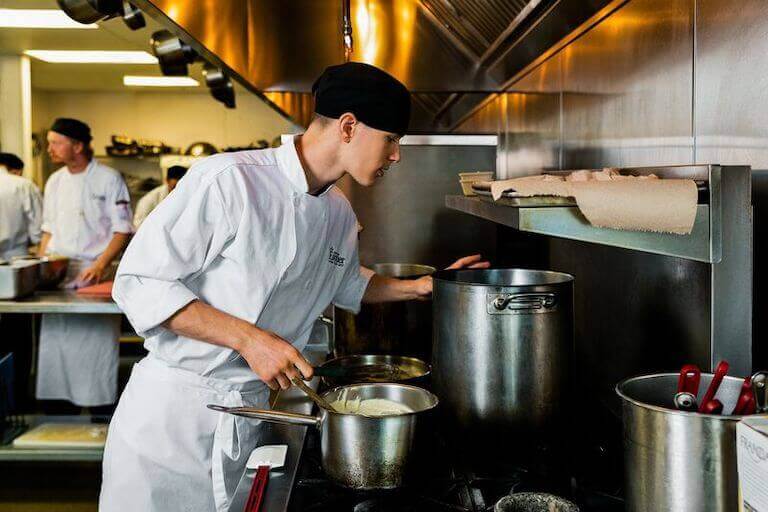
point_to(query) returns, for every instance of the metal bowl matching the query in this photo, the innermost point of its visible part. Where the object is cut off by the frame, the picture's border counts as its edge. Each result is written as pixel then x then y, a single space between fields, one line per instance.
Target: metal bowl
pixel 409 369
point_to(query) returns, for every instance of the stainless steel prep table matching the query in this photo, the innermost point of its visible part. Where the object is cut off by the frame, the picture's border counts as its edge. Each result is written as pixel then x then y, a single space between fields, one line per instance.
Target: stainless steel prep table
pixel 60 302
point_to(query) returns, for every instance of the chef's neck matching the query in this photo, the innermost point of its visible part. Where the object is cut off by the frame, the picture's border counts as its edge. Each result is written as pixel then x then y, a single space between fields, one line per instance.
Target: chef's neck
pixel 78 163
pixel 318 155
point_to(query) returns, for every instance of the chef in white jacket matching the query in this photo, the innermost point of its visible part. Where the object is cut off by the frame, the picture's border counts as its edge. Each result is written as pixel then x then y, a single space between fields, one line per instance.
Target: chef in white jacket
pixel 153 198
pixel 86 217
pixel 225 279
pixel 21 209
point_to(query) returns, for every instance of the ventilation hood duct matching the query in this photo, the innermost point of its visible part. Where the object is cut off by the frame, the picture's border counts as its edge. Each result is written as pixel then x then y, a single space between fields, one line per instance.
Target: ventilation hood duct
pixel 449 53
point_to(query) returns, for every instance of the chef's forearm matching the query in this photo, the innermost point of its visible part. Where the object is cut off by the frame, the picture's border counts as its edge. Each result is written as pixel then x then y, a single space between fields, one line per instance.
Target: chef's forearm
pixel 115 246
pixel 387 289
pixel 43 243
pixel 200 321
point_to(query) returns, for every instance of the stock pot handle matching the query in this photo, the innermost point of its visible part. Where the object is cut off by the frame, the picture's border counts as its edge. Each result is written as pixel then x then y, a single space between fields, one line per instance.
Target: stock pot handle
pixel 273 416
pixel 521 303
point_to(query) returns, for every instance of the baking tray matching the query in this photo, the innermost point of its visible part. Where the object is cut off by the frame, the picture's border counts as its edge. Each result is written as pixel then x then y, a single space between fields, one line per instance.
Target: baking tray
pixel 510 198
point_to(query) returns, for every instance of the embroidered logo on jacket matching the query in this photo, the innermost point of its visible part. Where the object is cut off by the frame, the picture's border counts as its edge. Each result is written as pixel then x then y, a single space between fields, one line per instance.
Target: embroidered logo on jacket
pixel 335 258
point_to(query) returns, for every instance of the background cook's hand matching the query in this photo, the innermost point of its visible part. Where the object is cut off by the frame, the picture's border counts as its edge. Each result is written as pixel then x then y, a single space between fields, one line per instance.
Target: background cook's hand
pixel 423 285
pixel 274 360
pixel 91 275
pixel 474 261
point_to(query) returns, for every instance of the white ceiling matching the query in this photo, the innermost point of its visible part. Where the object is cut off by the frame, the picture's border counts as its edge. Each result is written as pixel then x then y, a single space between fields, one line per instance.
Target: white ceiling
pixel 111 35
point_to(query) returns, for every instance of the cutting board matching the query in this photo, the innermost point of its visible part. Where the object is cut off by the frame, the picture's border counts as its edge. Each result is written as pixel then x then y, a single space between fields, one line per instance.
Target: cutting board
pixel 64 435
pixel 97 290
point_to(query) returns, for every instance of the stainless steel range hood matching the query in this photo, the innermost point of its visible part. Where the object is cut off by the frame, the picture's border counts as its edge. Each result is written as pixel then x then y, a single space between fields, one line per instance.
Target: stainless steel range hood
pixel 450 53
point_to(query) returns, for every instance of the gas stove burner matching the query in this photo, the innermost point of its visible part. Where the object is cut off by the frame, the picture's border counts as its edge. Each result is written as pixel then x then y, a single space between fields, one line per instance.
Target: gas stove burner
pixel 380 505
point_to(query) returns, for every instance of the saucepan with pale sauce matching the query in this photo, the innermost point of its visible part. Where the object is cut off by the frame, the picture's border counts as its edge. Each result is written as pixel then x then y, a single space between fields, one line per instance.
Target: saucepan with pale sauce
pixel 367 441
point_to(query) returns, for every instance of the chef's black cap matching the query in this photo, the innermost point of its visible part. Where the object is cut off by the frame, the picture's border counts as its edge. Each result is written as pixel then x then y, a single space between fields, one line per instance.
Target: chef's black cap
pixel 73 129
pixel 375 97
pixel 11 161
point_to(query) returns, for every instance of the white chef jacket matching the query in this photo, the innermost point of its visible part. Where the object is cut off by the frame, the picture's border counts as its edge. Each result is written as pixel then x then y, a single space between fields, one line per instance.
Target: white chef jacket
pixel 82 211
pixel 148 203
pixel 21 212
pixel 241 233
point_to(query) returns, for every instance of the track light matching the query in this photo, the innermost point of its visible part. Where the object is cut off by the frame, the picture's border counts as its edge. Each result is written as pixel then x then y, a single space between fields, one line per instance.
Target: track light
pixel 173 54
pixel 220 84
pixel 92 11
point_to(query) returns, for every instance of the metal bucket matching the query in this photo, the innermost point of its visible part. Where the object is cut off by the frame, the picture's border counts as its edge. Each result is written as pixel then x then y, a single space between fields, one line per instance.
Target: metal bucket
pixel 394 328
pixel 676 460
pixel 502 343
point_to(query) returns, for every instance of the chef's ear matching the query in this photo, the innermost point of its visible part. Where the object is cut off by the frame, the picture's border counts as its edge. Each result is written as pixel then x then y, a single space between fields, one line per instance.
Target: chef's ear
pixel 347 125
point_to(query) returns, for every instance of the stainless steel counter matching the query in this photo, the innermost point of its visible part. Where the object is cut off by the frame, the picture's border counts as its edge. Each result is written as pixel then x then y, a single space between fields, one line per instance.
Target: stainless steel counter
pixel 60 302
pixel 280 485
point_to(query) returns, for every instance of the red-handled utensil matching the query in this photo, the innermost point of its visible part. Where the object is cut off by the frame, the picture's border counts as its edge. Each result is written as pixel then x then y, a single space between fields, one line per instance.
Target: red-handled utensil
pixel 688 382
pixel 717 379
pixel 745 404
pixel 262 459
pixel 256 495
pixel 712 407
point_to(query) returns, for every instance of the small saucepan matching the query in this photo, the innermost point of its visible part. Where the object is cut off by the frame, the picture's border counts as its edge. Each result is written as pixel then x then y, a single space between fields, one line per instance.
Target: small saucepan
pixel 360 369
pixel 361 452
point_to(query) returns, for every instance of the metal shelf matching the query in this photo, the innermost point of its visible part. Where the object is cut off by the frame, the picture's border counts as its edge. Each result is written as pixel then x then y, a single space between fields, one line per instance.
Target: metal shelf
pixel 568 222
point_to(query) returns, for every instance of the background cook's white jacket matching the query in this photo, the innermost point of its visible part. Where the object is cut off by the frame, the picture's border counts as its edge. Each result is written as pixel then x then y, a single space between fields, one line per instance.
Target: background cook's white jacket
pixel 81 227
pixel 227 236
pixel 21 212
pixel 148 203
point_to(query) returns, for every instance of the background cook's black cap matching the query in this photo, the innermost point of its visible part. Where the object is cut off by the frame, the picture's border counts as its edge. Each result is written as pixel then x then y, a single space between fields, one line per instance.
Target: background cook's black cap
pixel 11 161
pixel 176 172
pixel 73 129
pixel 375 97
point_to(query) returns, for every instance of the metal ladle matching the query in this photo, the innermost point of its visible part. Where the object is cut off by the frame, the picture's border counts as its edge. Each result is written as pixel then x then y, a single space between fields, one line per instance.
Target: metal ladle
pixel 320 401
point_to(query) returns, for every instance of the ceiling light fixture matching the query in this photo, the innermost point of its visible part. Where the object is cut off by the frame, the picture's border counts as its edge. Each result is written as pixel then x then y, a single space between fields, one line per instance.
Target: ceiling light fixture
pixel 93 56
pixel 159 81
pixel 38 18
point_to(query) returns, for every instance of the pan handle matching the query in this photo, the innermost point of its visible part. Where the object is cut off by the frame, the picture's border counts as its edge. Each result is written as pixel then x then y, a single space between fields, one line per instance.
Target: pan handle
pixel 273 416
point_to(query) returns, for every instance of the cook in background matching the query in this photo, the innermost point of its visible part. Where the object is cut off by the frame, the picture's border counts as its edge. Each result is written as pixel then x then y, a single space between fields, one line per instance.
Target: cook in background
pixel 225 280
pixel 150 201
pixel 86 217
pixel 21 209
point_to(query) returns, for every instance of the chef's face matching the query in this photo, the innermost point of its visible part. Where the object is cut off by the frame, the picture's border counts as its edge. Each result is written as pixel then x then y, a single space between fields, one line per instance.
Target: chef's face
pixel 171 182
pixel 61 148
pixel 369 154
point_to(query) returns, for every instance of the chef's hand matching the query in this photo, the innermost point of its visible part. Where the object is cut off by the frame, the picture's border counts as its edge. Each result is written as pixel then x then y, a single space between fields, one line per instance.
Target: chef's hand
pixel 274 360
pixel 91 275
pixel 423 285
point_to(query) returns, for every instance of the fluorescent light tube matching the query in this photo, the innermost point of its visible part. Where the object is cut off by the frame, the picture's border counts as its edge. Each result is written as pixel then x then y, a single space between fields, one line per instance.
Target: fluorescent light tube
pixel 159 81
pixel 38 18
pixel 93 56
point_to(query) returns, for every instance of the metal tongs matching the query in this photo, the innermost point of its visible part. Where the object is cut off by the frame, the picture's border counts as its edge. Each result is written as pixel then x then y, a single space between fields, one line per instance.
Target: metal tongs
pixel 710 404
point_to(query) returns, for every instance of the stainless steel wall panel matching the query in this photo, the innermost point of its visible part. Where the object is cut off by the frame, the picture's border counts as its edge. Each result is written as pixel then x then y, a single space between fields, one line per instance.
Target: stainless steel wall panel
pixel 731 85
pixel 627 88
pixel 404 215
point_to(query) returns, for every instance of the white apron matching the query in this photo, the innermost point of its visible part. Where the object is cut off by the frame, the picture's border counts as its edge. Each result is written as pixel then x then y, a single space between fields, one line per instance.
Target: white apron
pixel 163 433
pixel 79 355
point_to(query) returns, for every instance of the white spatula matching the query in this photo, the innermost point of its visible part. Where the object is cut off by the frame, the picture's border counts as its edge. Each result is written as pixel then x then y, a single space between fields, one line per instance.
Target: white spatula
pixel 263 459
